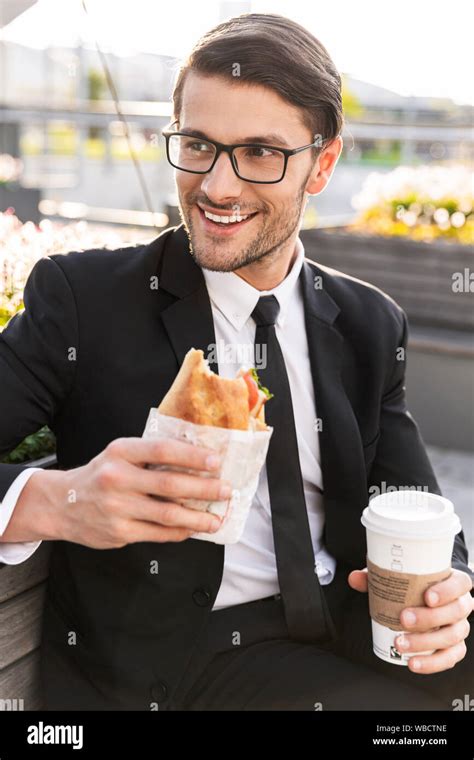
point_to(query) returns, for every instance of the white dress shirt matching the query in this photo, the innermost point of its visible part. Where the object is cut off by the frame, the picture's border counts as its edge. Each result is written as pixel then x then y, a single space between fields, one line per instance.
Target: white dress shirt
pixel 249 566
pixel 13 554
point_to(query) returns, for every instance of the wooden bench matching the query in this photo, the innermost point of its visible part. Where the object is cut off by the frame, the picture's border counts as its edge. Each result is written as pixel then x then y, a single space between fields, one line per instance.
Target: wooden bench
pixel 22 590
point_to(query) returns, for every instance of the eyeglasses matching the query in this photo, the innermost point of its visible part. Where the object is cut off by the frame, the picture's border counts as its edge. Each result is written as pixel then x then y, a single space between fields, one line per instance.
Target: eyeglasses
pixel 252 162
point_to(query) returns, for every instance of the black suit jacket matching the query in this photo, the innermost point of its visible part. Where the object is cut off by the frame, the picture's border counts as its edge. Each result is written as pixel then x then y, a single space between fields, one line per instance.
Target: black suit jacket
pixel 136 630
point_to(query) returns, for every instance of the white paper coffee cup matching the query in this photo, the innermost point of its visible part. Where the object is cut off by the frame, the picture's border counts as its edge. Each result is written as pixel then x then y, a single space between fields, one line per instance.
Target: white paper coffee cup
pixel 243 454
pixel 410 537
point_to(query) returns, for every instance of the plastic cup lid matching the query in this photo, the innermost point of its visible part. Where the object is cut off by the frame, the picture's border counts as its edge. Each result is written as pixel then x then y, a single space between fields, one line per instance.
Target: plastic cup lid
pixel 411 514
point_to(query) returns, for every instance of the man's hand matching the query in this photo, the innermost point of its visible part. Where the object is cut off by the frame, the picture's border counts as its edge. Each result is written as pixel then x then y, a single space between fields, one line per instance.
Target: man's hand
pixel 113 500
pixel 441 625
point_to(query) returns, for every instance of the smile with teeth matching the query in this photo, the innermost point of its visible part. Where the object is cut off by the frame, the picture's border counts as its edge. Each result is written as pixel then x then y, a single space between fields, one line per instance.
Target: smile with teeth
pixel 225 219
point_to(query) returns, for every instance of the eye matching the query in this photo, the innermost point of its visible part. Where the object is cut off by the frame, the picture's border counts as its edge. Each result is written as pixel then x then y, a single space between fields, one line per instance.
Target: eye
pixel 260 152
pixel 198 146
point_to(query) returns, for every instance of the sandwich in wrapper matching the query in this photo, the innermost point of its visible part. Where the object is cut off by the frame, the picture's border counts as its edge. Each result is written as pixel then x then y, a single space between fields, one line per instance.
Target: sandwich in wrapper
pixel 226 416
pixel 200 396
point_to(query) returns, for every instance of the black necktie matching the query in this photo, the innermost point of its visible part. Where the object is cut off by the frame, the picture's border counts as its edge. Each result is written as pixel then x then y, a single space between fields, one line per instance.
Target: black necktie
pixel 303 600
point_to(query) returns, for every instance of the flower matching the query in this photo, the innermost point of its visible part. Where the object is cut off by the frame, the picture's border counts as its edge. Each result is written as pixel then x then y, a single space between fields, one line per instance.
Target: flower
pixel 422 202
pixel 10 168
pixel 22 245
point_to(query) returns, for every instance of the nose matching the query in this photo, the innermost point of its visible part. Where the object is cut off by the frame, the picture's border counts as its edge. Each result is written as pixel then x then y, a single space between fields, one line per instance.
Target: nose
pixel 221 182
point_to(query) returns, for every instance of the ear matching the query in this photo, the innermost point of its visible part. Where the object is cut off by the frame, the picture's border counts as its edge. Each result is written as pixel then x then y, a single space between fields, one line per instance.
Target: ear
pixel 324 167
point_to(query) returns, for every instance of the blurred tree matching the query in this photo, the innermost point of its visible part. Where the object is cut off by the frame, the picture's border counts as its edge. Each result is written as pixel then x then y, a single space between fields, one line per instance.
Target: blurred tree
pixel 96 85
pixel 350 103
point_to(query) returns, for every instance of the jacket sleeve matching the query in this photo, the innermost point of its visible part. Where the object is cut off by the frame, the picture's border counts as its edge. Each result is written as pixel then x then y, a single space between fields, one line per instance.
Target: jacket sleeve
pixel 401 458
pixel 38 358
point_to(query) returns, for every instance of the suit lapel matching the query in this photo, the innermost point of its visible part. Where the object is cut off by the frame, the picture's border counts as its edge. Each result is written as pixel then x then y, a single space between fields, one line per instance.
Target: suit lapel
pixel 188 321
pixel 342 460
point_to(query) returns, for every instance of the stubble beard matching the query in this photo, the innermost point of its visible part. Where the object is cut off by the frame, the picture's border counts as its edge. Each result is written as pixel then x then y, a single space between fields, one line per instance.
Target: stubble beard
pixel 220 256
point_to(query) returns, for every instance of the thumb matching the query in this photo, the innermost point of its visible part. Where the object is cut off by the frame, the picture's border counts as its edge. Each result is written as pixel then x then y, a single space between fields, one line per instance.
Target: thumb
pixel 358 580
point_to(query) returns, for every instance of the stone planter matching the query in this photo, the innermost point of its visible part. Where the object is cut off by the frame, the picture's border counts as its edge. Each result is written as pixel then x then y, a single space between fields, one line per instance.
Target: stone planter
pixel 419 276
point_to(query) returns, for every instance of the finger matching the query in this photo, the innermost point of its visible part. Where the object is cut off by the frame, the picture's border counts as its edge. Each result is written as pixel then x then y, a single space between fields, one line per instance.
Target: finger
pixel 443 638
pixel 447 591
pixel 426 618
pixel 141 451
pixel 358 580
pixel 439 661
pixel 179 485
pixel 169 514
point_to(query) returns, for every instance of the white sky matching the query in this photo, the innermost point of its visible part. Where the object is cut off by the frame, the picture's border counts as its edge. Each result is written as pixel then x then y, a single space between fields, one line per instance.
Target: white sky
pixel 409 46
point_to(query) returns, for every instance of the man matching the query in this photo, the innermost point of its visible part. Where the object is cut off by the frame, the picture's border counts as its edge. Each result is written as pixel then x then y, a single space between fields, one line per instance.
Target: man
pixel 139 615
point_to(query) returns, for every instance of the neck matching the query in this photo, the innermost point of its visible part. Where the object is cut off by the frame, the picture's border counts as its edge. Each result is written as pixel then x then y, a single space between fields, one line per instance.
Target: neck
pixel 267 273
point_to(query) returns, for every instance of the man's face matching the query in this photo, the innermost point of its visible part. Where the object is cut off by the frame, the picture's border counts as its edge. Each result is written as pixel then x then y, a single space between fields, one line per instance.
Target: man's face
pixel 232 113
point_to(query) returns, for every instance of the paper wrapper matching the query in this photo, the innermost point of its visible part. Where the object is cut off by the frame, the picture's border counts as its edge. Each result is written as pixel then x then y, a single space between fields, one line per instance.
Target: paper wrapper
pixel 243 455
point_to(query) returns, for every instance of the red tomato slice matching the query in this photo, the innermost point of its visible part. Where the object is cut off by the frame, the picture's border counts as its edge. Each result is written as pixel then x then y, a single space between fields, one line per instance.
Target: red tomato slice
pixel 253 390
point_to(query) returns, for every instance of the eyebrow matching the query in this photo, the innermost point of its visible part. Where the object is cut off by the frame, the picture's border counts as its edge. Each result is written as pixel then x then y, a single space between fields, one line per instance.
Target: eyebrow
pixel 269 139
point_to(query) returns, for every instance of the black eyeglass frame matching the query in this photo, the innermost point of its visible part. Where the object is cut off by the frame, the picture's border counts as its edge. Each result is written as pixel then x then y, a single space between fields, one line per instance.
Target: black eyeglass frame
pixel 223 148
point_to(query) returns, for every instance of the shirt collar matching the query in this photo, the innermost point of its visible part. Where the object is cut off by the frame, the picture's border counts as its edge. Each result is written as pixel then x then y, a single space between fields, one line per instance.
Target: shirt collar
pixel 237 299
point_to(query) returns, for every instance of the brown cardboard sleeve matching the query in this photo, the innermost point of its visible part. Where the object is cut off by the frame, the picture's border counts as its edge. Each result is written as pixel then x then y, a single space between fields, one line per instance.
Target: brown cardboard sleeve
pixel 390 592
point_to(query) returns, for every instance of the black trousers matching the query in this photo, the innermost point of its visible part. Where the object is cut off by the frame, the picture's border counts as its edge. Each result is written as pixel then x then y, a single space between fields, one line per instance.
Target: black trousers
pixel 245 660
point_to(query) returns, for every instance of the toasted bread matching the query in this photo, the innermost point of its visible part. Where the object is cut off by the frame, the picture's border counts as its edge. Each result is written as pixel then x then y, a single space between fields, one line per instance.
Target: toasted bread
pixel 199 395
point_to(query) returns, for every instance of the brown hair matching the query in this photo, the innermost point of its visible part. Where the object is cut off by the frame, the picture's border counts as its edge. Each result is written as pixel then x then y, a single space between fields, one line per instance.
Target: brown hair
pixel 276 52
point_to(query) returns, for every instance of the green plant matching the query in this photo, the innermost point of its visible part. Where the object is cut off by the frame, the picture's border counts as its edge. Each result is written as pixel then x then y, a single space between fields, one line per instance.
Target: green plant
pixel 34 446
